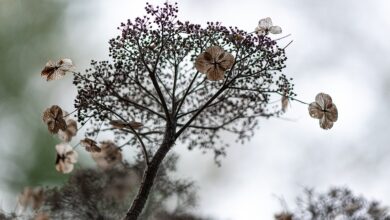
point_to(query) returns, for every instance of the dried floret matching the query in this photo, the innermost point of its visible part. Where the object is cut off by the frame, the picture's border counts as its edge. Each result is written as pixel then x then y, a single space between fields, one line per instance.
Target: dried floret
pixel 214 62
pixel 109 156
pixel 90 145
pixel 56 70
pixel 66 158
pixel 265 26
pixel 53 117
pixel 121 124
pixel 324 109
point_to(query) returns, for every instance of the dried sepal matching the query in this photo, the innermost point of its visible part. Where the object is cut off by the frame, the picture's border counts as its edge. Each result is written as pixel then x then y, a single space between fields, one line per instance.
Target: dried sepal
pixel 56 70
pixel 53 117
pixel 109 156
pixel 90 145
pixel 66 158
pixel 265 26
pixel 118 124
pixel 214 62
pixel 70 132
pixel 31 197
pixel 324 109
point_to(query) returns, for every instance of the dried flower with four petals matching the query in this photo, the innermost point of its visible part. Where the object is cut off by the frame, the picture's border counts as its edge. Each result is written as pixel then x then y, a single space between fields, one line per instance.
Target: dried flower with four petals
pixel 265 26
pixel 66 157
pixel 70 132
pixel 324 109
pixel 56 70
pixel 121 124
pixel 31 197
pixel 109 156
pixel 53 117
pixel 214 62
pixel 90 145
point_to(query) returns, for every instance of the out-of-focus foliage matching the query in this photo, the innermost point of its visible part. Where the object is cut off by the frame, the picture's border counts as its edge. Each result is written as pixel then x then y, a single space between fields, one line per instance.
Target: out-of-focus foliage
pixel 106 193
pixel 30 33
pixel 338 204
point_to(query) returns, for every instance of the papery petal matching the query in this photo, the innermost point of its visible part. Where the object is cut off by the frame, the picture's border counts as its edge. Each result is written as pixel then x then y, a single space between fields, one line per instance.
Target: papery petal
pixel 215 74
pixel 265 23
pixel 65 64
pixel 215 51
pixel 332 113
pixel 227 61
pixel 71 156
pixel 325 123
pixel 71 127
pixel 275 30
pixel 63 148
pixel 323 100
pixel 135 125
pixel 315 110
pixel 201 64
pixel 285 102
pixel 64 167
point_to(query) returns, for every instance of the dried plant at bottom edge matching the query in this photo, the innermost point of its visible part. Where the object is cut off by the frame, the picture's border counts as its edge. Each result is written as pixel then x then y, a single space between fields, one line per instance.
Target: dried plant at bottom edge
pixel 66 158
pixel 31 197
pixel 56 70
pixel 324 109
pixel 54 119
pixel 214 62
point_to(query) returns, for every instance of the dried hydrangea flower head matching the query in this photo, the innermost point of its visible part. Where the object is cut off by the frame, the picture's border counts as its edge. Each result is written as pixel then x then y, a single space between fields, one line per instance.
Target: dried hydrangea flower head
pixel 214 62
pixel 109 156
pixel 53 117
pixel 66 158
pixel 56 70
pixel 31 197
pixel 90 145
pixel 324 109
pixel 118 124
pixel 70 131
pixel 265 26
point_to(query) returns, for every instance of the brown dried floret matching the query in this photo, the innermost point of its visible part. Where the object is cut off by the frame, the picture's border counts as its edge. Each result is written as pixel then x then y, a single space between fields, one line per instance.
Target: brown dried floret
pixel 56 70
pixel 324 109
pixel 70 132
pixel 31 197
pixel 66 157
pixel 90 145
pixel 285 102
pixel 53 117
pixel 121 124
pixel 214 62
pixel 109 156
pixel 284 216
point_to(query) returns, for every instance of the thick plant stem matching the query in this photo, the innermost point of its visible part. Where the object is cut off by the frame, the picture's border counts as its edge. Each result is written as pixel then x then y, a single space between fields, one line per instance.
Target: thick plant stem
pixel 149 176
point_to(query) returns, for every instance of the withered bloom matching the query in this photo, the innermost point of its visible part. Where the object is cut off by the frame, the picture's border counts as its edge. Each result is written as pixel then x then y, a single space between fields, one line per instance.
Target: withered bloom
pixel 90 145
pixel 56 70
pixel 265 26
pixel 53 117
pixel 66 157
pixel 121 124
pixel 31 197
pixel 214 62
pixel 284 216
pixel 109 156
pixel 324 109
pixel 70 131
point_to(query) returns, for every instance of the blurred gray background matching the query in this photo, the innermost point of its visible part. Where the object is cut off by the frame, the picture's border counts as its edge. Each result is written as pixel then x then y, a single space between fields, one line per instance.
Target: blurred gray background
pixel 340 48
